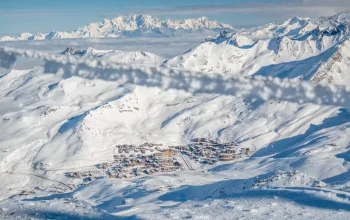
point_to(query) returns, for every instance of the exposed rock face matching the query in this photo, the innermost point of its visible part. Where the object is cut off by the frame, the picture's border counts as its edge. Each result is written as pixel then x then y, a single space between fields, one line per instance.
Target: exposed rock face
pixel 336 68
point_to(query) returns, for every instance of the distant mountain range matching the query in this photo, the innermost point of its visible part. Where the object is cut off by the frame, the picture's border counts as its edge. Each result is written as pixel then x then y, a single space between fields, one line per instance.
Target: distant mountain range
pixel 128 26
pixel 299 26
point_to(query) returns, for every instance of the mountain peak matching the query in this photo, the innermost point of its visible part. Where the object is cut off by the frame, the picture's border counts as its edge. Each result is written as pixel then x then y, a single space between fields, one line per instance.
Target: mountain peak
pixel 343 17
pixel 232 38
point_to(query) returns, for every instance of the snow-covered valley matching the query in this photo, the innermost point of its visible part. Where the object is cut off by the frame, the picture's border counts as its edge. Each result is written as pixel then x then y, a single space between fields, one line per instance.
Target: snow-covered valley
pixel 77 124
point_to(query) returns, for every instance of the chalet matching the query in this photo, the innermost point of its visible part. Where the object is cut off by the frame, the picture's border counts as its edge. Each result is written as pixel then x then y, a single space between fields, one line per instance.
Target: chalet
pixel 226 157
pixel 196 140
pixel 245 150
pixel 182 148
pixel 137 172
pixel 237 156
pixel 230 151
pixel 140 161
pixel 210 148
pixel 104 165
pixel 173 168
pixel 212 142
pixel 166 162
pixel 169 152
pixel 148 163
pixel 230 146
pixel 74 174
pixel 158 154
pixel 113 175
pixel 203 140
pixel 95 172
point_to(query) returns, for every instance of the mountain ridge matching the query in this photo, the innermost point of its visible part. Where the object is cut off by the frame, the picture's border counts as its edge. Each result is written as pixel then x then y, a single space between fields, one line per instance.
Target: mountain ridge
pixel 131 25
pixel 295 44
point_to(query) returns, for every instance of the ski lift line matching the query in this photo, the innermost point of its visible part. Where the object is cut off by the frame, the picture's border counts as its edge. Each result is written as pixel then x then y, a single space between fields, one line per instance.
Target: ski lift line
pixel 265 88
pixel 31 174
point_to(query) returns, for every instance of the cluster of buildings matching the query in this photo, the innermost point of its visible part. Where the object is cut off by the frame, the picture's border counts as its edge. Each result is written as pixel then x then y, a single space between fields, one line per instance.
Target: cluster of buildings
pixel 87 176
pixel 134 161
pixel 204 150
pixel 149 158
pixel 143 148
pixel 136 165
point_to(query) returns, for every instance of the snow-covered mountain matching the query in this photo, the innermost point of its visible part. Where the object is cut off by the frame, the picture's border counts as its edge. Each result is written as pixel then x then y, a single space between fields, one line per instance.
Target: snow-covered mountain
pixel 131 25
pixel 66 120
pixel 117 56
pixel 295 50
pixel 234 54
pixel 299 26
pixel 57 123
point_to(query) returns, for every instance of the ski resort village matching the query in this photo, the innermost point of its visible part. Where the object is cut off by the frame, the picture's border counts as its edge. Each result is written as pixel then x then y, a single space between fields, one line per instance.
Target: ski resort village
pixel 149 158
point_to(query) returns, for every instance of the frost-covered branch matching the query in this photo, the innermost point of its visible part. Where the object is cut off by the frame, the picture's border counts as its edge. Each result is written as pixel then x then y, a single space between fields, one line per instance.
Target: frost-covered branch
pixel 194 82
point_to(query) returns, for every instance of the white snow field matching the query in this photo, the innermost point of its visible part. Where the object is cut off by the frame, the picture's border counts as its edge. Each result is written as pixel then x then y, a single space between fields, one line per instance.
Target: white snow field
pixel 280 90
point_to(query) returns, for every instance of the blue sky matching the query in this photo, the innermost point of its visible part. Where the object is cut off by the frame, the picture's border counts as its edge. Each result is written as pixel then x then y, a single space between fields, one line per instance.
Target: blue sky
pixel 33 16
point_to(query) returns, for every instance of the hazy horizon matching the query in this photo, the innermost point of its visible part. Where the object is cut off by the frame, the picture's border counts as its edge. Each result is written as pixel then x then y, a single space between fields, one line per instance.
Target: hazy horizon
pixel 18 16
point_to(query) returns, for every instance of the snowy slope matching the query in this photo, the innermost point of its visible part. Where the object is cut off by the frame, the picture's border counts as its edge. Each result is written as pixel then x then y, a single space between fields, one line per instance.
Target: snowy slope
pixel 131 25
pixel 302 54
pixel 291 27
pixel 67 112
pixel 117 56
pixel 233 54
pixel 57 123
